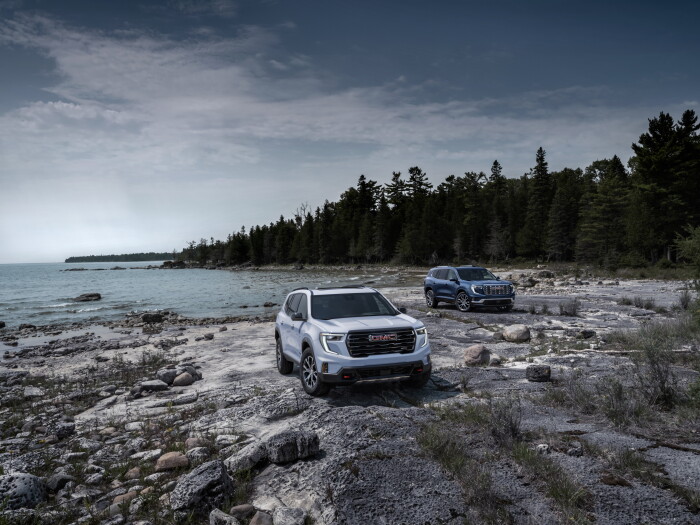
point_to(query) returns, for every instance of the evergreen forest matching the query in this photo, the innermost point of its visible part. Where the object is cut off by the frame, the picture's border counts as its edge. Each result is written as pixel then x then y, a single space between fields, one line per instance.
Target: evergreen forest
pixel 607 214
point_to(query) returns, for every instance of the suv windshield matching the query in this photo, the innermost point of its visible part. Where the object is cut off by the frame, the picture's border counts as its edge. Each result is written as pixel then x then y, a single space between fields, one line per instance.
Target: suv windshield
pixel 341 305
pixel 475 274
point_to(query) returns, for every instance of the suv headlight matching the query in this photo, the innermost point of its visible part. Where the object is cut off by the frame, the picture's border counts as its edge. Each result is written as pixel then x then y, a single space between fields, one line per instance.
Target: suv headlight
pixel 421 337
pixel 326 337
pixel 478 289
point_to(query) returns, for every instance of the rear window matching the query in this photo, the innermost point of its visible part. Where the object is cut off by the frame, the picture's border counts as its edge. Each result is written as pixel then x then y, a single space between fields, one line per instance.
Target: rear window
pixel 338 306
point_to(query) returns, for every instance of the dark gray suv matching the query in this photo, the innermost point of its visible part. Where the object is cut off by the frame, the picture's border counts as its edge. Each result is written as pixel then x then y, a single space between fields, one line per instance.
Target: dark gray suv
pixel 467 287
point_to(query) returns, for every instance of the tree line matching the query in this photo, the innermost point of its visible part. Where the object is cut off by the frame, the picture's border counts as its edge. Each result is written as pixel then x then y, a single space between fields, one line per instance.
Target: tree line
pixel 124 257
pixel 607 214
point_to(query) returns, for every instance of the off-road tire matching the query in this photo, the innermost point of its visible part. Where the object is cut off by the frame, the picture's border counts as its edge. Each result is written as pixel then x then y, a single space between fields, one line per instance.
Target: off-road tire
pixel 463 302
pixel 284 365
pixel 430 299
pixel 310 378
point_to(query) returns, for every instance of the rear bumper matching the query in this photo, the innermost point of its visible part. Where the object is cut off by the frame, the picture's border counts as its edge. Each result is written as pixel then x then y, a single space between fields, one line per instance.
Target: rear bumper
pixel 373 373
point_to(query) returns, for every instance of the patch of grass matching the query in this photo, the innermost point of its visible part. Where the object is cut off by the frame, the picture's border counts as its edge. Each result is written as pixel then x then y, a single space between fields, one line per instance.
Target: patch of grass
pixel 685 299
pixel 625 301
pixel 647 303
pixel 608 396
pixel 616 402
pixel 570 307
pixel 572 498
pixel 578 394
pixel 443 445
pixel 505 415
pixel 634 464
pixel 468 414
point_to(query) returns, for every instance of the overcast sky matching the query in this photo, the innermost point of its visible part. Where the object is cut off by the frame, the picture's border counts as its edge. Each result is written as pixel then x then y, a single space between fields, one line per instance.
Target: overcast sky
pixel 130 126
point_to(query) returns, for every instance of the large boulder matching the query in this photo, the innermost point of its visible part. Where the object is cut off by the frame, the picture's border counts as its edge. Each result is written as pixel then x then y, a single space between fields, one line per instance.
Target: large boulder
pixel 517 333
pixel 87 297
pixel 476 355
pixel 167 375
pixel 206 487
pixel 21 490
pixel 184 379
pixel 172 461
pixel 292 445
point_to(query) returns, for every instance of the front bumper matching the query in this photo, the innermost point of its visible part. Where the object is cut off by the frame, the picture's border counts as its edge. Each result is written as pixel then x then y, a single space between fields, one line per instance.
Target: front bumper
pixel 373 373
pixel 492 301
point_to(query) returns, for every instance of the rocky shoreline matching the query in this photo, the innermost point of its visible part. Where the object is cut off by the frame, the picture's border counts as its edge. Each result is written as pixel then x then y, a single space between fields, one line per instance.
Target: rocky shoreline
pixel 164 419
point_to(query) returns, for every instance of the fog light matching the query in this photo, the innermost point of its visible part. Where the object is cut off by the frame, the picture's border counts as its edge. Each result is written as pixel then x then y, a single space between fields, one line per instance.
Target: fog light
pixel 324 368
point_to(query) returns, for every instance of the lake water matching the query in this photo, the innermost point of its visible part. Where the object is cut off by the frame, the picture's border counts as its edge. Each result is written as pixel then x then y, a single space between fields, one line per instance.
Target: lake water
pixel 43 294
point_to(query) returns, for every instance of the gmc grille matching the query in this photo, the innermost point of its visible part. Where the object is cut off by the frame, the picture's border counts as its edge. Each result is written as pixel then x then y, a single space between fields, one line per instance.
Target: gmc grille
pixel 496 289
pixel 360 345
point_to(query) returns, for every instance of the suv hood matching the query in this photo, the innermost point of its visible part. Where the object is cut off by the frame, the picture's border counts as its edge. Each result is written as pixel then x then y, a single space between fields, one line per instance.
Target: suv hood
pixel 489 281
pixel 348 324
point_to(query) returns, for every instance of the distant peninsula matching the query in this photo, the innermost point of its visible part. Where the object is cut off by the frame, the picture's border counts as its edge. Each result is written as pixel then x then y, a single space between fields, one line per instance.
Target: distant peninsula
pixel 131 257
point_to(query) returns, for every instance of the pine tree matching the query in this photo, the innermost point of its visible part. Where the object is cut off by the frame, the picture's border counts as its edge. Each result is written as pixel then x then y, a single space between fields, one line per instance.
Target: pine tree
pixel 532 237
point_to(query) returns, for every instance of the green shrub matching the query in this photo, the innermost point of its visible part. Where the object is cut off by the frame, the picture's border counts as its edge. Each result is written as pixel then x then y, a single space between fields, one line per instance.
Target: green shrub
pixel 505 416
pixel 569 308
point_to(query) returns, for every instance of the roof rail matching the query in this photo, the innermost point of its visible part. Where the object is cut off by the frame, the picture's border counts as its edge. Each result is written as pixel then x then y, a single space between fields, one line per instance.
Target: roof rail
pixel 340 287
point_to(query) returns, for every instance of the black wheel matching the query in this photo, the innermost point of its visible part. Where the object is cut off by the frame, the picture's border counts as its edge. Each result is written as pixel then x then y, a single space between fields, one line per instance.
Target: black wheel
pixel 430 299
pixel 284 365
pixel 418 381
pixel 310 378
pixel 463 302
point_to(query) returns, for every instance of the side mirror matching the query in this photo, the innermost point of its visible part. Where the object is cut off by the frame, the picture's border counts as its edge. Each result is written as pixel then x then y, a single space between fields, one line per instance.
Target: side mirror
pixel 498 278
pixel 402 310
pixel 296 316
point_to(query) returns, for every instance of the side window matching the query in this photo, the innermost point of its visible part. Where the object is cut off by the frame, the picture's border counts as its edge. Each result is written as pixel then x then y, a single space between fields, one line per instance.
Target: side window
pixel 441 274
pixel 303 307
pixel 292 303
pixel 451 274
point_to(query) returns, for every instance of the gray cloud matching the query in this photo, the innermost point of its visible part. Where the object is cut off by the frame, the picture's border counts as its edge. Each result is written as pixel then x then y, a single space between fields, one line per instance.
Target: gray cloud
pixel 217 132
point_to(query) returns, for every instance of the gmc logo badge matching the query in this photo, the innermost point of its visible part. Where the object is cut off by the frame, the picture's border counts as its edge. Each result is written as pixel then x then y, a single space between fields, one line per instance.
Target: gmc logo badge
pixel 382 337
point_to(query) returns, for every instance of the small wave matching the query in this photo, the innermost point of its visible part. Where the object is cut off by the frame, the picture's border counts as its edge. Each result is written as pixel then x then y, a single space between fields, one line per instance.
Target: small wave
pixel 91 309
pixel 59 305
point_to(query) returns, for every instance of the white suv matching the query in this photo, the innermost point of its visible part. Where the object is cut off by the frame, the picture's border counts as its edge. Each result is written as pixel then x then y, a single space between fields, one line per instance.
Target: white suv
pixel 339 336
